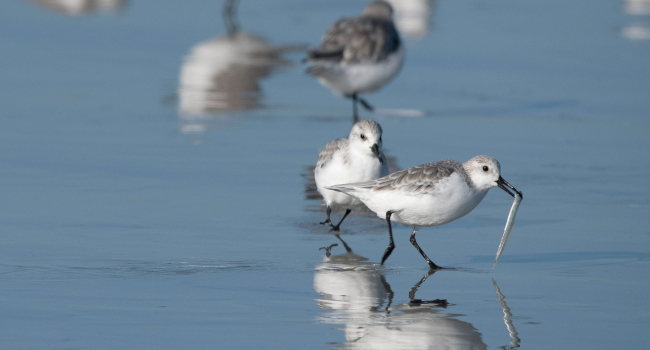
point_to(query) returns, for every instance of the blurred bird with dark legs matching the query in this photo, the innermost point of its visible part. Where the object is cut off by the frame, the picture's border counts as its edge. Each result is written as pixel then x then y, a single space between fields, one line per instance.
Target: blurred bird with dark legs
pixel 359 55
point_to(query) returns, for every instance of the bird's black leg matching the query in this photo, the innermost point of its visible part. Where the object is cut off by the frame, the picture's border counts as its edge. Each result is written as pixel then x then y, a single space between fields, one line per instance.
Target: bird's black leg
pixel 338 226
pixel 366 105
pixel 328 221
pixel 355 112
pixel 391 244
pixel 229 13
pixel 432 265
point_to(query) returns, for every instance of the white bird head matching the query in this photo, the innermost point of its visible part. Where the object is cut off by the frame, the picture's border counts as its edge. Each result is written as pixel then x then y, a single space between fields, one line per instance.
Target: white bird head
pixel 485 173
pixel 379 9
pixel 365 136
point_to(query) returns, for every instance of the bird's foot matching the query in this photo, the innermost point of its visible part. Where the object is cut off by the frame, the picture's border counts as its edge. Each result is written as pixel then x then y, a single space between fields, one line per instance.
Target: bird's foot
pixel 328 249
pixel 433 267
pixel 436 302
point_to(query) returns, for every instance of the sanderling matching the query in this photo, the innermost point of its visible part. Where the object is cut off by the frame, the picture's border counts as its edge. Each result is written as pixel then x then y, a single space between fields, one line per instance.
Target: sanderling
pixel 355 159
pixel 430 194
pixel 359 55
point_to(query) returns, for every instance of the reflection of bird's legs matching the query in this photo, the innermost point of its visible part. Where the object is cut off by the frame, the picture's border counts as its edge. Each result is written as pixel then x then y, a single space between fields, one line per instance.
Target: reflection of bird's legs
pixel 347 247
pixel 391 244
pixel 389 292
pixel 432 265
pixel 417 285
pixel 328 221
pixel 413 301
pixel 338 226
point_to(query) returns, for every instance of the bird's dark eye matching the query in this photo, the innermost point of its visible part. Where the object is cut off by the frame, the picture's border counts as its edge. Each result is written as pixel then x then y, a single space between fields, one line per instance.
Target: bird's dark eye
pixel 363 137
pixel 485 168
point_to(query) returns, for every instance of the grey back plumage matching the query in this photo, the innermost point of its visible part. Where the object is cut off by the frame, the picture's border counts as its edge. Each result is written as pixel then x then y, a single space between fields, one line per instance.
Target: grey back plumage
pixel 327 152
pixel 421 179
pixel 369 37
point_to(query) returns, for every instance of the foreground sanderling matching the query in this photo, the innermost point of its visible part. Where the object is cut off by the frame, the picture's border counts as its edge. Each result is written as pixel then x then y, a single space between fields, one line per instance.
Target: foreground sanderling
pixel 355 159
pixel 430 194
pixel 359 55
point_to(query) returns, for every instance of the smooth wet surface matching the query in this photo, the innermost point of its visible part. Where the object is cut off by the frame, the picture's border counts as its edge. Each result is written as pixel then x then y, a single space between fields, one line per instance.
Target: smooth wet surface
pixel 151 199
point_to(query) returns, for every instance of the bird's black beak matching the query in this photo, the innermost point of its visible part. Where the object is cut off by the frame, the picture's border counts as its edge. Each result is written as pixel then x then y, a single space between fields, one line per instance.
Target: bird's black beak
pixel 504 185
pixel 375 149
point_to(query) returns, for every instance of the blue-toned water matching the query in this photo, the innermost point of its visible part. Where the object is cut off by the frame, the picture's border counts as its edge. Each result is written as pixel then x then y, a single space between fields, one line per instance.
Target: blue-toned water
pixel 156 190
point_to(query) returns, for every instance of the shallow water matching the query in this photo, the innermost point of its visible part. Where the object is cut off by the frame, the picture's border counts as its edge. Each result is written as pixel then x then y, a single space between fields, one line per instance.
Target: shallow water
pixel 131 221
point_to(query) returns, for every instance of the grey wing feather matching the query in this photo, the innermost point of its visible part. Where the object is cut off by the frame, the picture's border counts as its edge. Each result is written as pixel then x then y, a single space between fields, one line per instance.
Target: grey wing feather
pixel 358 39
pixel 327 152
pixel 422 178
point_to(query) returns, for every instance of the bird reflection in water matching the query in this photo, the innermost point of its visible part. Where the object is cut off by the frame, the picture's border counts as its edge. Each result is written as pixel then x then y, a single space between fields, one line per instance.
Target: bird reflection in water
pixel 515 341
pixel 639 12
pixel 350 284
pixel 82 7
pixel 223 74
pixel 355 293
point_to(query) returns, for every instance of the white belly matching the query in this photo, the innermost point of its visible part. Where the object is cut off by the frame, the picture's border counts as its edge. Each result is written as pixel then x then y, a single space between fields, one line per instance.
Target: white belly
pixel 336 173
pixel 348 79
pixel 453 201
